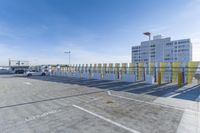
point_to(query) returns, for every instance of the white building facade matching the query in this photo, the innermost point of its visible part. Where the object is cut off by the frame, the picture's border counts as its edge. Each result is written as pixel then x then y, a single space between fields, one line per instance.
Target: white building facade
pixel 162 50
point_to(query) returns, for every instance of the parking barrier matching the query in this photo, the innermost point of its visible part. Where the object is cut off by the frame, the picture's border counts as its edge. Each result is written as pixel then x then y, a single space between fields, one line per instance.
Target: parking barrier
pixel 163 72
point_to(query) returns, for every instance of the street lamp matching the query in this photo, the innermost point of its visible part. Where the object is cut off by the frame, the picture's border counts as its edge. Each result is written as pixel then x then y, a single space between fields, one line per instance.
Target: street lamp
pixel 149 35
pixel 68 52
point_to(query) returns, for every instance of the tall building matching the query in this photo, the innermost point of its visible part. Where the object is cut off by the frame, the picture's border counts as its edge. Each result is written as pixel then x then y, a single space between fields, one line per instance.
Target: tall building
pixel 162 50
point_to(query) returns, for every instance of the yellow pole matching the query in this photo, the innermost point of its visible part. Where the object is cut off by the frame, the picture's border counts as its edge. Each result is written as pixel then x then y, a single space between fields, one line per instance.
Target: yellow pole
pixel 159 78
pixel 180 79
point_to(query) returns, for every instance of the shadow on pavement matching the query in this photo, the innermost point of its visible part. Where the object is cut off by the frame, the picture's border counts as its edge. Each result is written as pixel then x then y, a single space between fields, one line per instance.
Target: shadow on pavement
pixel 190 94
pixel 139 87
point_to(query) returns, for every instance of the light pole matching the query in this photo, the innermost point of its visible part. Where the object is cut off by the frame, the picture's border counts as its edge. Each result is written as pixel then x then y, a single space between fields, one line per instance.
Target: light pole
pixel 68 52
pixel 9 62
pixel 149 35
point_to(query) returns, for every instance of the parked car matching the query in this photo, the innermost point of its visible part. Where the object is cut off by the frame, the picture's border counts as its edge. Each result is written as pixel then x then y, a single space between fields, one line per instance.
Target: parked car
pixel 35 73
pixel 19 71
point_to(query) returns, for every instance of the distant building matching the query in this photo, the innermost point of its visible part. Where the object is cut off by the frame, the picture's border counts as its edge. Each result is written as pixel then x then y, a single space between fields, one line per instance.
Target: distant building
pixel 162 50
pixel 18 63
pixel 18 66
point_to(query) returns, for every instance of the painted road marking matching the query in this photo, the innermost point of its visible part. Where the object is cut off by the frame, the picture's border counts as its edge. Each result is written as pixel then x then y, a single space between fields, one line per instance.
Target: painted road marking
pixel 27 83
pixel 35 117
pixel 182 90
pixel 106 119
pixel 153 103
pixel 110 94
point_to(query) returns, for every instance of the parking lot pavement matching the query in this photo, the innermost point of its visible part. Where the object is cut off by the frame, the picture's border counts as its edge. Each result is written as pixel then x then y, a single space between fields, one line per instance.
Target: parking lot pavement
pixel 58 104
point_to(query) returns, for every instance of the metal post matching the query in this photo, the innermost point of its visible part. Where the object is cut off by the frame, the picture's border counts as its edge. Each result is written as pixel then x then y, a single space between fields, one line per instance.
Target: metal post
pixel 69 57
pixel 144 73
pixel 149 35
pixel 183 75
pixel 68 52
pixel 155 73
pixel 9 62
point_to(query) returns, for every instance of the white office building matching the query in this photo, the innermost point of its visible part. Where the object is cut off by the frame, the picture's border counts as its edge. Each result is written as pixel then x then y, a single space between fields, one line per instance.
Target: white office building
pixel 162 49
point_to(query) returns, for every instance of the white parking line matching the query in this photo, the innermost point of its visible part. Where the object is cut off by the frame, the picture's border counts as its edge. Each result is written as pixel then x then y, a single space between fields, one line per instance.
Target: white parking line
pixel 106 119
pixel 27 83
pixel 182 90
pixel 153 103
pixel 168 106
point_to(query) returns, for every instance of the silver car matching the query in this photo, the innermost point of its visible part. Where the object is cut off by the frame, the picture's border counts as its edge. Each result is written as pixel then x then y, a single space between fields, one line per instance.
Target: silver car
pixel 35 73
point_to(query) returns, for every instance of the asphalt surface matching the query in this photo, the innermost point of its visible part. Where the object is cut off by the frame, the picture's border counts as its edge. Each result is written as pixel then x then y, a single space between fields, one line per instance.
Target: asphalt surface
pixel 69 105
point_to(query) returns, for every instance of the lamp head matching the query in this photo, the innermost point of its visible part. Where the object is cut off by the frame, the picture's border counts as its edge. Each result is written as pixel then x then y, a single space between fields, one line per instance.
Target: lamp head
pixel 147 33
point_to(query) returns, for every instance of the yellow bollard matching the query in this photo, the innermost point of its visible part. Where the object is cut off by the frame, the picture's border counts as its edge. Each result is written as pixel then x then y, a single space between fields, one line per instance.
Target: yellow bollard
pixel 159 78
pixel 180 79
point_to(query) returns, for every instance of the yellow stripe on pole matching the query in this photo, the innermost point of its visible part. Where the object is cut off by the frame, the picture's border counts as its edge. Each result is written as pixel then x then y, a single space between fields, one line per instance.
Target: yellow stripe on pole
pixel 159 77
pixel 175 71
pixel 117 70
pixel 124 65
pixel 131 68
pixel 117 67
pixel 110 68
pixel 162 69
pixel 180 79
pixel 192 67
pixel 99 68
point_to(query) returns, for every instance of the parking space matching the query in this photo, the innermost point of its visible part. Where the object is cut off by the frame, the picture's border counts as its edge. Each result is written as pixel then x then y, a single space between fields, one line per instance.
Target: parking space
pixel 61 104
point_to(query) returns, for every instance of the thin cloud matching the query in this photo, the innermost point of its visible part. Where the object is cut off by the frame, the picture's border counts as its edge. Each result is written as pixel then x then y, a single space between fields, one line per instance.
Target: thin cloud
pixel 81 55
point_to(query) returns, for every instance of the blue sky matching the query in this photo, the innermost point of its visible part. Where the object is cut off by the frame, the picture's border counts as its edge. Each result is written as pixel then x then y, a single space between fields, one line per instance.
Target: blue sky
pixel 93 30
